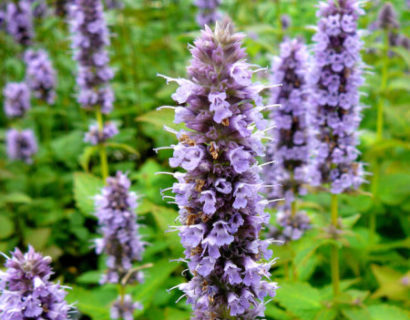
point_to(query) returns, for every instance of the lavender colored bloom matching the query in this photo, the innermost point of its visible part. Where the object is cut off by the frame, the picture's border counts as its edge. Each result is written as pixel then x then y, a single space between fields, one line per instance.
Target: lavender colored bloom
pixel 96 136
pixel 16 99
pixel 19 20
pixel 387 18
pixel 291 227
pixel 208 12
pixel 289 149
pixel 89 40
pixel 27 292
pixel 121 242
pixel 124 309
pixel 40 75
pixel 219 205
pixel 21 145
pixel 285 21
pixel 335 79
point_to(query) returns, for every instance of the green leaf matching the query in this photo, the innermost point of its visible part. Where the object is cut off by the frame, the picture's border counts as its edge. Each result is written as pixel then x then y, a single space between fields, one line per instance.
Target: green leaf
pixel 6 227
pixel 387 312
pixel 37 237
pixel 90 277
pixel 356 314
pixel 86 186
pixel 123 146
pixel 160 118
pixel 68 147
pixel 404 53
pixel 176 314
pixel 394 188
pixel 14 197
pixel 326 314
pixel 275 312
pixel 85 157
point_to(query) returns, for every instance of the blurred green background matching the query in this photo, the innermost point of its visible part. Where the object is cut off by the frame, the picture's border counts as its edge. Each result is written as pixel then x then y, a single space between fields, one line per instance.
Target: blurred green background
pixel 49 204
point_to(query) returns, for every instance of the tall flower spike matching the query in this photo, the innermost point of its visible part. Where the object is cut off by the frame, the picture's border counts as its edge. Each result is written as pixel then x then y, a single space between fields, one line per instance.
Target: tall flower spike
pixel 89 40
pixel 40 75
pixel 19 20
pixel 21 145
pixel 219 205
pixel 16 99
pixel 387 18
pixel 26 289
pixel 335 80
pixel 208 12
pixel 289 148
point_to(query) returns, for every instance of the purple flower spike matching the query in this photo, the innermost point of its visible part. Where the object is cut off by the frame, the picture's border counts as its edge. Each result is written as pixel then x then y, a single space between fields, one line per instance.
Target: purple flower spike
pixel 26 290
pixel 121 242
pixel 387 18
pixel 208 12
pixel 291 227
pixel 40 75
pixel 19 21
pixel 95 136
pixel 124 309
pixel 16 99
pixel 289 149
pixel 335 80
pixel 219 205
pixel 21 145
pixel 89 40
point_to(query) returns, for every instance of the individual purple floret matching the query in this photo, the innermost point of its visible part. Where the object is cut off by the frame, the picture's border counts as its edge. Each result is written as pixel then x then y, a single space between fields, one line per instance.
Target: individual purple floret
pixel 95 136
pixel 121 242
pixel 16 99
pixel 89 40
pixel 220 209
pixel 21 145
pixel 26 290
pixel 19 21
pixel 289 150
pixel 208 12
pixel 291 227
pixel 40 75
pixel 285 21
pixel 124 309
pixel 335 81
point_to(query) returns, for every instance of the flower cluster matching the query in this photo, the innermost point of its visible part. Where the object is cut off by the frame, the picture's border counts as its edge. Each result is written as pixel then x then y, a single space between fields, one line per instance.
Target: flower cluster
pixel 40 75
pixel 16 99
pixel 289 150
pixel 208 12
pixel 21 145
pixel 121 242
pixel 387 18
pixel 292 227
pixel 96 136
pixel 219 205
pixel 89 40
pixel 335 79
pixel 124 308
pixel 19 20
pixel 26 289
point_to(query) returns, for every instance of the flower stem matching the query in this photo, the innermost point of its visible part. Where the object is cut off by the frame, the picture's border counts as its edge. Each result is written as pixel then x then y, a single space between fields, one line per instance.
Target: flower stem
pixel 103 153
pixel 383 84
pixel 334 251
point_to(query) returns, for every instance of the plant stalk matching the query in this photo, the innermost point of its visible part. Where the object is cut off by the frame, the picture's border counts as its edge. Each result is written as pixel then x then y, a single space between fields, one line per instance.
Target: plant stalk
pixel 334 250
pixel 102 151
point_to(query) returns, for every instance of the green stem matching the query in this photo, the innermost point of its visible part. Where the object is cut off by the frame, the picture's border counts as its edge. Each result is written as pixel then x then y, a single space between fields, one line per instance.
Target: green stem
pixel 102 151
pixel 293 208
pixel 380 118
pixel 334 251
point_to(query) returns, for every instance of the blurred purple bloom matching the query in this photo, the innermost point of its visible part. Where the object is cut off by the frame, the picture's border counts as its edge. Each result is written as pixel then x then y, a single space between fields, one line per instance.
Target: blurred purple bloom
pixel 387 18
pixel 335 79
pixel 27 292
pixel 285 21
pixel 21 145
pixel 40 75
pixel 16 99
pixel 90 38
pixel 291 228
pixel 208 12
pixel 219 205
pixel 95 136
pixel 124 309
pixel 19 20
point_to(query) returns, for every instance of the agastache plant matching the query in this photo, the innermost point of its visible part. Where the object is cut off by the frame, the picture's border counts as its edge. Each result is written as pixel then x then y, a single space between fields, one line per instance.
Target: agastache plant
pixel 26 291
pixel 208 12
pixel 121 242
pixel 16 99
pixel 40 75
pixel 219 206
pixel 335 109
pixel 19 21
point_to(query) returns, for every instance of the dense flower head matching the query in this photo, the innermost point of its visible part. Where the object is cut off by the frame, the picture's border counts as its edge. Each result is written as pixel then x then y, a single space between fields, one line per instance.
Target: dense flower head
pixel 19 21
pixel 124 308
pixel 40 75
pixel 289 149
pixel 291 227
pixel 90 37
pixel 335 79
pixel 208 12
pixel 21 145
pixel 26 290
pixel 387 18
pixel 16 99
pixel 96 136
pixel 121 242
pixel 220 209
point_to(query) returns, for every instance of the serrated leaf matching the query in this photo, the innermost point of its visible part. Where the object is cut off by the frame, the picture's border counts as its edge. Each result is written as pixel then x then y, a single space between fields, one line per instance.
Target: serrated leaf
pixel 86 186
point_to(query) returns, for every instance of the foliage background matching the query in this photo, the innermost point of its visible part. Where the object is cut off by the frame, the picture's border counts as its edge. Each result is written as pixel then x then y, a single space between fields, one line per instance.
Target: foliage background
pixel 49 204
